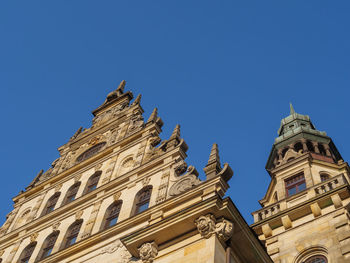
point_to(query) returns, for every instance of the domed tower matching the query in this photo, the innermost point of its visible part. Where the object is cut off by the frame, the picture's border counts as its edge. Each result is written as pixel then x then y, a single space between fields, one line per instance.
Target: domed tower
pixel 304 215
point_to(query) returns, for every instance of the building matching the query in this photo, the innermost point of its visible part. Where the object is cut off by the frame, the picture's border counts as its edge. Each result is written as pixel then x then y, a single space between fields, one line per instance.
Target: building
pixel 305 212
pixel 118 193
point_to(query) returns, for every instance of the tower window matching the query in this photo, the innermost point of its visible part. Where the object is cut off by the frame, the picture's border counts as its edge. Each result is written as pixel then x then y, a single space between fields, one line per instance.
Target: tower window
pixel 142 199
pixel 90 152
pixel 295 184
pixel 72 233
pixel 321 149
pixel 324 177
pixel 27 253
pixel 92 182
pixel 51 203
pixel 112 214
pixel 72 192
pixel 316 259
pixel 49 243
pixel 310 147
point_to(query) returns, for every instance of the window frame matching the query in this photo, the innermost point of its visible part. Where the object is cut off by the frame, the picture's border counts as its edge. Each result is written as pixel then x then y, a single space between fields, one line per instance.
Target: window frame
pixel 92 182
pixel 111 215
pixel 72 233
pixel 29 249
pixel 70 193
pixel 289 184
pixel 47 245
pixel 140 200
pixel 50 205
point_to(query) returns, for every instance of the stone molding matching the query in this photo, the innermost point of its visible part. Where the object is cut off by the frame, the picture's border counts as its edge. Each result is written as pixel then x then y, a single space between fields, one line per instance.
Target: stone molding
pixel 208 225
pixel 148 252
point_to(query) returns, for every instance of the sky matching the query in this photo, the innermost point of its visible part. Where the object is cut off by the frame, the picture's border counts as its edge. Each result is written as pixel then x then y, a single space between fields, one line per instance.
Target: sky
pixel 224 70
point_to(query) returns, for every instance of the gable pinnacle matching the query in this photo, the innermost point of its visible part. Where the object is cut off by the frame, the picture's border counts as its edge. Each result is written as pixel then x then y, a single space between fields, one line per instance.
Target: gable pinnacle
pixel 176 132
pixel 213 166
pixel 292 111
pixel 137 100
pixel 153 116
pixel 121 87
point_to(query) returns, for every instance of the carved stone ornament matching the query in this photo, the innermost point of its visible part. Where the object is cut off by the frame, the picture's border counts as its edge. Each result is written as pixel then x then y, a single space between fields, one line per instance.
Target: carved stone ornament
pixel 145 181
pixel 1 252
pixel 98 167
pixel 148 252
pixel 207 226
pixel 58 187
pixel 33 237
pixel 186 182
pixel 56 225
pixel 77 178
pixel 116 196
pixel 78 214
pixel 290 155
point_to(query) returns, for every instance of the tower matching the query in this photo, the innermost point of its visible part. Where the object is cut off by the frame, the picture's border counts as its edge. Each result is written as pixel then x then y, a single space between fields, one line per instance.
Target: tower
pixel 118 194
pixel 304 215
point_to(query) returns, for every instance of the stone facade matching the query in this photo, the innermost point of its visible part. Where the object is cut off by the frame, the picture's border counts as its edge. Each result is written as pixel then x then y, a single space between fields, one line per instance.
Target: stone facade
pixel 305 212
pixel 118 193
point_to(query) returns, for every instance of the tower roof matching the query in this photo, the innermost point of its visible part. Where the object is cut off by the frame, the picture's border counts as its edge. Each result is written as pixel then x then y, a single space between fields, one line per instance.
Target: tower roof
pixel 294 124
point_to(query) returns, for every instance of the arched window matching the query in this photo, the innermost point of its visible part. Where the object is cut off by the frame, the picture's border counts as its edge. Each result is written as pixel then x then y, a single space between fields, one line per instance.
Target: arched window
pixel 72 234
pixel 324 177
pixel 92 182
pixel 27 253
pixel 51 203
pixel 112 214
pixel 321 149
pixel 298 147
pixel 142 199
pixel 48 245
pixel 317 259
pixel 90 152
pixel 72 192
pixel 310 147
pixel 22 219
pixel 284 151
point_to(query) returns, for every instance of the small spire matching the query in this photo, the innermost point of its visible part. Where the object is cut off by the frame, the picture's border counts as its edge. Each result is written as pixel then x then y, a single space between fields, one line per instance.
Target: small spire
pixel 153 116
pixel 137 100
pixel 292 111
pixel 213 166
pixel 214 155
pixel 176 132
pixel 121 87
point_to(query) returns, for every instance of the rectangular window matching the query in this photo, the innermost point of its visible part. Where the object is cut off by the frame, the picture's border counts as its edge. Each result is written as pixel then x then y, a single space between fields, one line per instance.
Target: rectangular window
pixel 295 184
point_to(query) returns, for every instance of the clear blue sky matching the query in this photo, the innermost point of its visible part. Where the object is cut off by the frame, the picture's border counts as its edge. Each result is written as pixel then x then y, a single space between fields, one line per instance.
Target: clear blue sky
pixel 225 70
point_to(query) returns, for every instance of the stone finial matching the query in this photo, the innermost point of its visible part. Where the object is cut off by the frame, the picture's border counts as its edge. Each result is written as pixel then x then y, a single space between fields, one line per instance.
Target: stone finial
pixel 292 111
pixel 121 87
pixel 176 132
pixel 148 252
pixel 77 133
pixel 207 226
pixel 153 116
pixel 137 100
pixel 213 166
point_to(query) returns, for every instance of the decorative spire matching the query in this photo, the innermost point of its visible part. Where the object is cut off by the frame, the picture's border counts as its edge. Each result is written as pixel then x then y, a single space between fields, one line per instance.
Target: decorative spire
pixel 121 87
pixel 292 111
pixel 153 116
pixel 213 166
pixel 77 133
pixel 176 132
pixel 137 100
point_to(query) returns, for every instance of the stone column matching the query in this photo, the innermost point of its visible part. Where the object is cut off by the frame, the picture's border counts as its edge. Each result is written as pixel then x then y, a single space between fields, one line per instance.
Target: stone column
pixel 315 144
pixel 328 152
pixel 303 142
